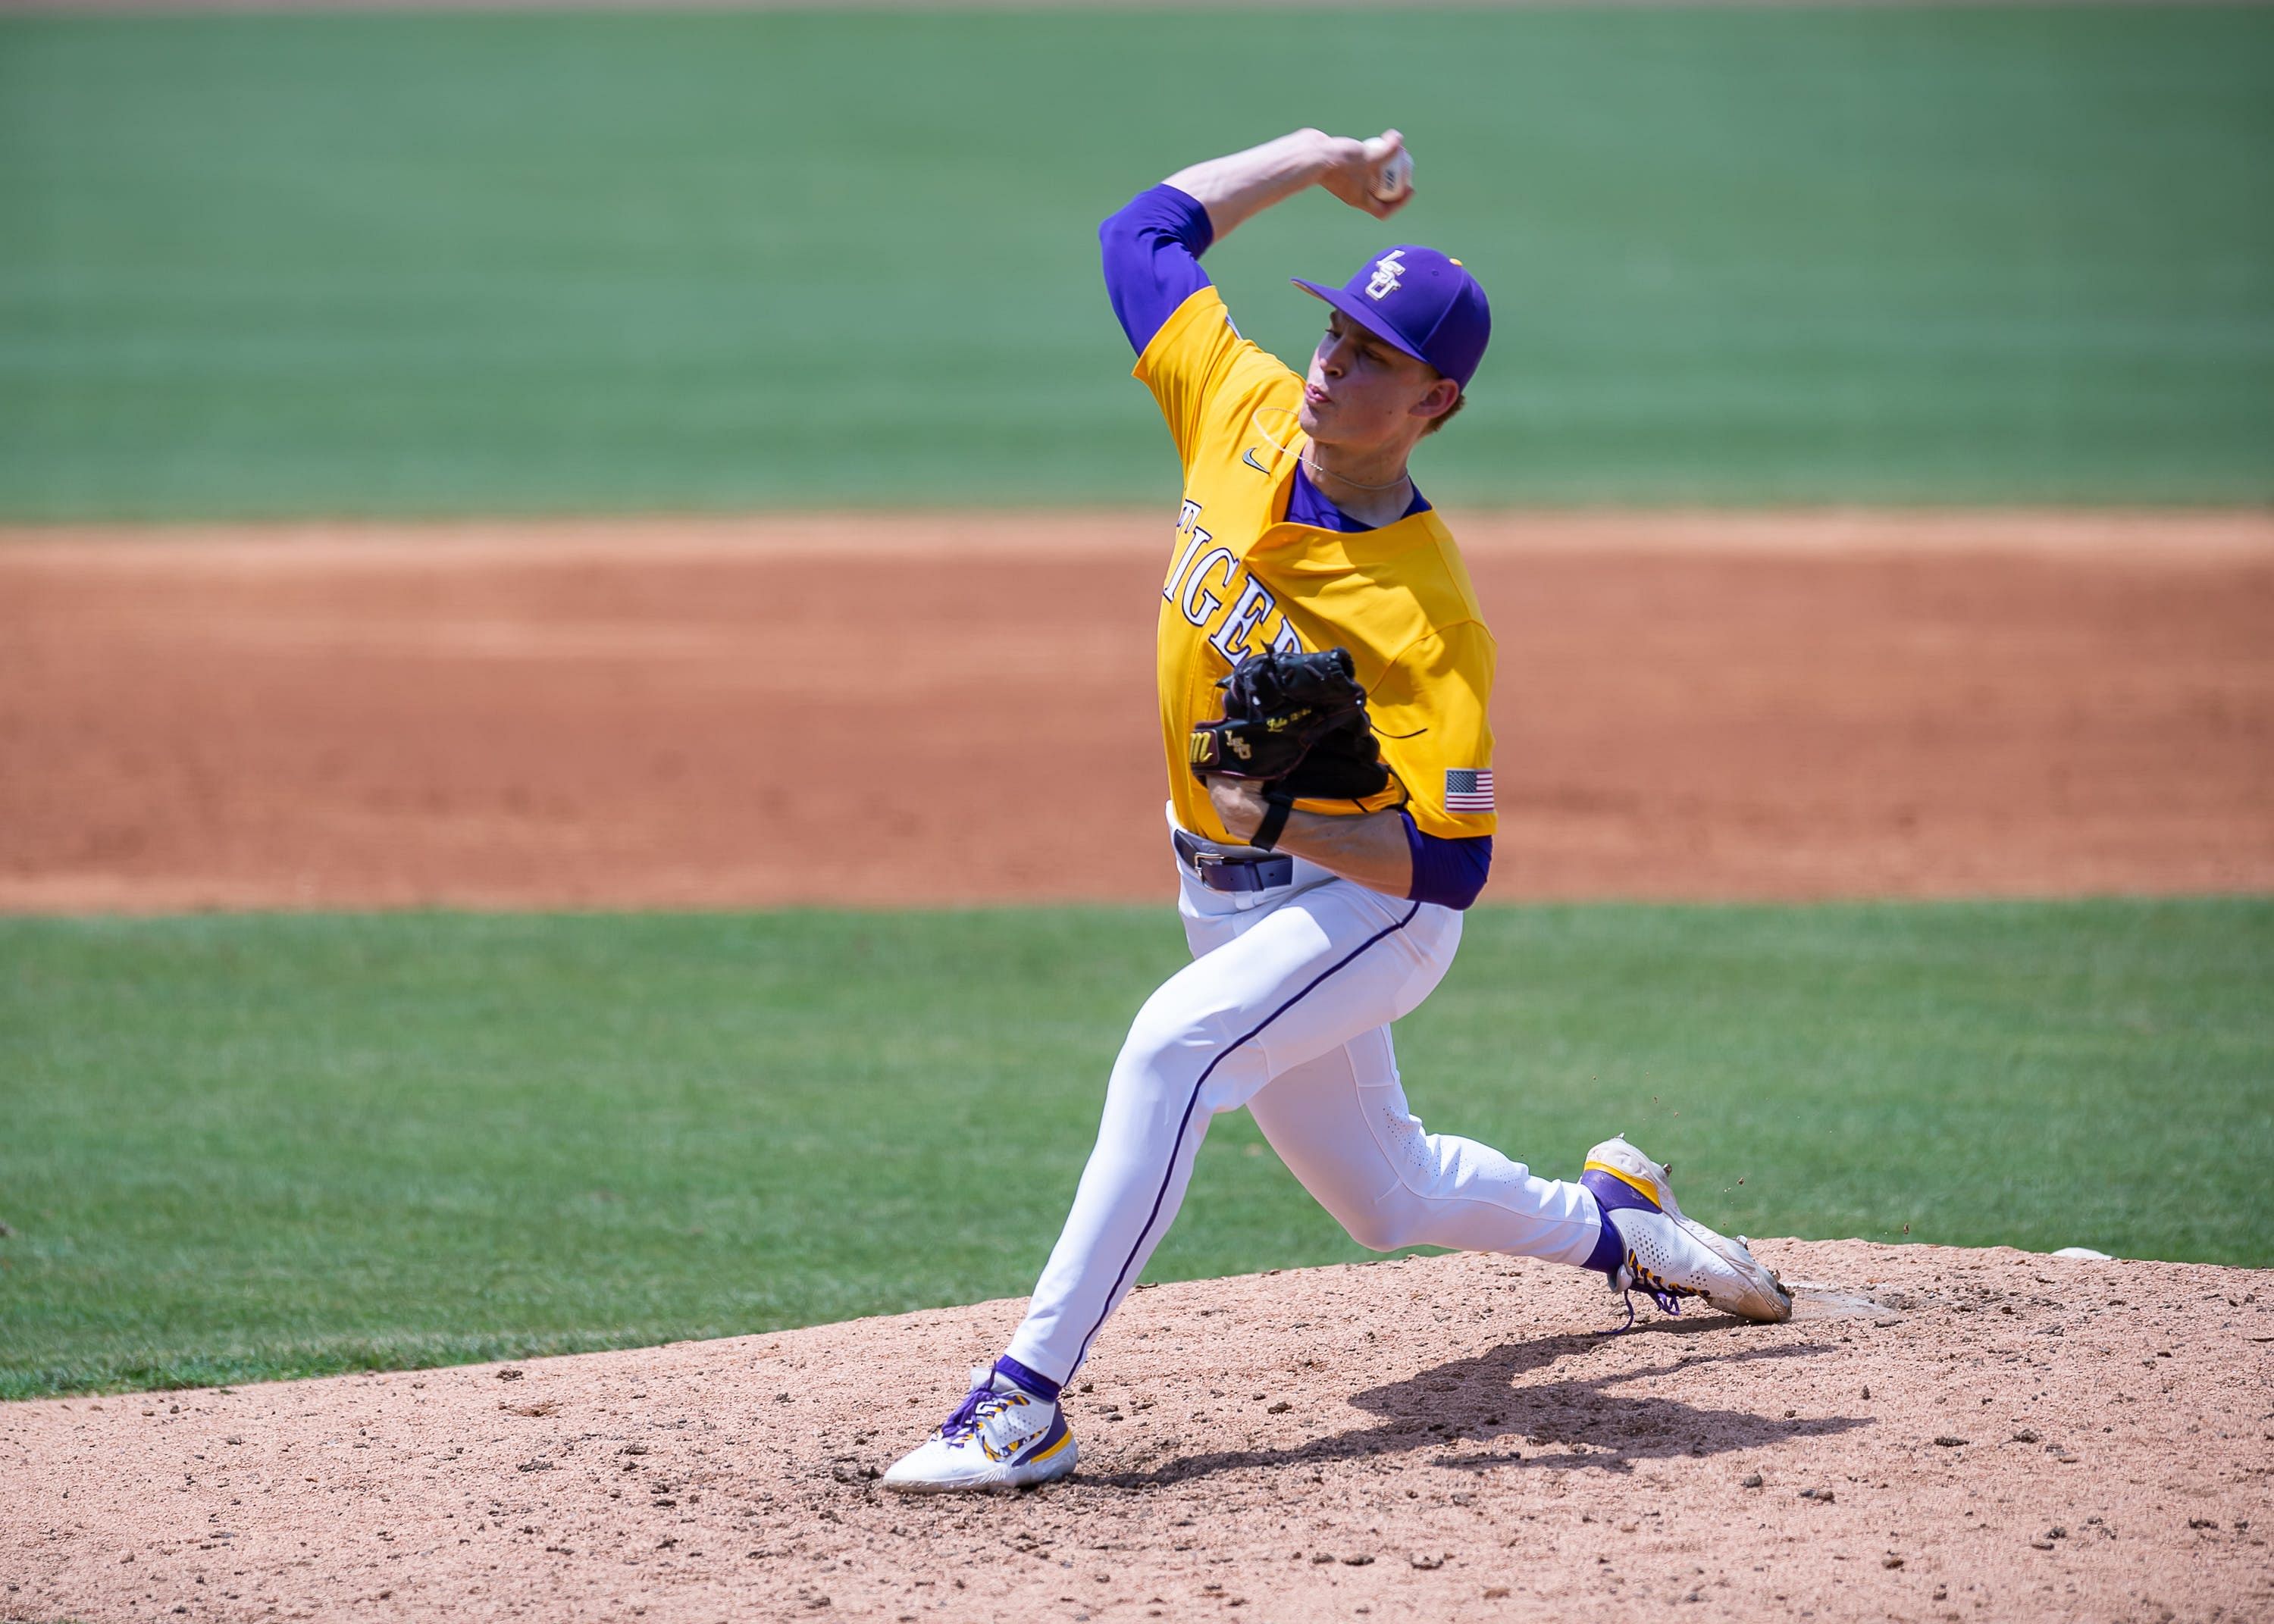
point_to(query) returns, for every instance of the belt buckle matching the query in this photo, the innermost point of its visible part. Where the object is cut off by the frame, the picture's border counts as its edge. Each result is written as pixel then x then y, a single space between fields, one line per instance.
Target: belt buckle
pixel 1247 876
pixel 1240 873
pixel 1218 872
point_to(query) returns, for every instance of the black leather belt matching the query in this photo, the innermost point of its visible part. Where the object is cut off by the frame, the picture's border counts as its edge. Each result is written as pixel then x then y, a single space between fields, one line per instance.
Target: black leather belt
pixel 1233 871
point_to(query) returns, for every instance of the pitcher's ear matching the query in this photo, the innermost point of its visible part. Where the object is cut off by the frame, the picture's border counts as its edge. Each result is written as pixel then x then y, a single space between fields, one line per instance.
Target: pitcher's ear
pixel 1460 399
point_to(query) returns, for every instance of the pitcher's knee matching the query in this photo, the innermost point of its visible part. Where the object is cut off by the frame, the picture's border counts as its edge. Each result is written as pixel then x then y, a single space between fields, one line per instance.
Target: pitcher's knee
pixel 1170 1047
pixel 1159 1039
pixel 1384 1227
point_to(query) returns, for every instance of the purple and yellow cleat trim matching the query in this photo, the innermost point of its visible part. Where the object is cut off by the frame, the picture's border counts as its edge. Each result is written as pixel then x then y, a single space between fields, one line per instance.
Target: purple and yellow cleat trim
pixel 1048 1444
pixel 1642 1187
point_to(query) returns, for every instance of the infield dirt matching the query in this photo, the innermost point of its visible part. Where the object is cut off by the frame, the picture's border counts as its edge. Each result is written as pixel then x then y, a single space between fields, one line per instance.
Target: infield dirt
pixel 1937 1435
pixel 935 709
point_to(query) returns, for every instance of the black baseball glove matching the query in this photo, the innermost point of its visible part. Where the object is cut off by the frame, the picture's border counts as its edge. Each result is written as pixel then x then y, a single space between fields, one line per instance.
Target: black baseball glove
pixel 1295 723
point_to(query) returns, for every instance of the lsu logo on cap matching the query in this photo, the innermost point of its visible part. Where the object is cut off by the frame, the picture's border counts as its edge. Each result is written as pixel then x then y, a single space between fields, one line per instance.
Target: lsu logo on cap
pixel 1387 272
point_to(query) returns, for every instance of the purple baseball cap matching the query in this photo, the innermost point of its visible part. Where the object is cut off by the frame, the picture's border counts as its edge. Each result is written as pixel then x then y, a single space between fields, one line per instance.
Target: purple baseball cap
pixel 1421 301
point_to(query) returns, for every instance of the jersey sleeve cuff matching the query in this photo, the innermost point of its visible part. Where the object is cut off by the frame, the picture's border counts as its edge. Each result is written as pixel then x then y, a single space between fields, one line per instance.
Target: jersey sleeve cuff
pixel 1195 308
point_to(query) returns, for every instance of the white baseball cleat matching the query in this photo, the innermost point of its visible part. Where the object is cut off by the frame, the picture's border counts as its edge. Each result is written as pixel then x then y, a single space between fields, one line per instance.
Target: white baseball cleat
pixel 1668 1255
pixel 1000 1437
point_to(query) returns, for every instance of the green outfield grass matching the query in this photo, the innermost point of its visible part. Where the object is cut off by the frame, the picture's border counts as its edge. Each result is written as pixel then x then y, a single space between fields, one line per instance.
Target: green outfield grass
pixel 238 1147
pixel 270 265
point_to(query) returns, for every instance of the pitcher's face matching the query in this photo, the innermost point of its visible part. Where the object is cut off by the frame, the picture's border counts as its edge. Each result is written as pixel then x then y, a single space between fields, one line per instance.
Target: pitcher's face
pixel 1361 393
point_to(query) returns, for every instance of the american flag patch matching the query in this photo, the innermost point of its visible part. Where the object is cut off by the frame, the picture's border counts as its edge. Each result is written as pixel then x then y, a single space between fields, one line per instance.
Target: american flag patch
pixel 1468 789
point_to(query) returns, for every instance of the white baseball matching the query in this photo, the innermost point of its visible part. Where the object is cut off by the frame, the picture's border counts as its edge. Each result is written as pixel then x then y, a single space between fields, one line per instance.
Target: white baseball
pixel 1394 179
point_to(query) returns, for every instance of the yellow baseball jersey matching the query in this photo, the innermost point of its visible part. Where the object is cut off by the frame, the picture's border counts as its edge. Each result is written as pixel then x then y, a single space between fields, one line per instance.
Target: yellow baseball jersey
pixel 1242 579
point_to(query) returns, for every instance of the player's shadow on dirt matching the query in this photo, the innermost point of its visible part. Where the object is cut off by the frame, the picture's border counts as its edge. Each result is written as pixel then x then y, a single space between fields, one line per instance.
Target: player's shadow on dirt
pixel 1576 1421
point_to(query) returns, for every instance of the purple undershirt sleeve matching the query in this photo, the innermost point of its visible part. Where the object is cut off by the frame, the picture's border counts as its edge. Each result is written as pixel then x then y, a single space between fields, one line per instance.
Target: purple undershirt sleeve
pixel 1446 872
pixel 1152 249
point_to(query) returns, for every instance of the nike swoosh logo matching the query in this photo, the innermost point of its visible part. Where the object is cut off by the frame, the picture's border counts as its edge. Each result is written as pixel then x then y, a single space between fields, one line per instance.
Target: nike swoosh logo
pixel 1248 457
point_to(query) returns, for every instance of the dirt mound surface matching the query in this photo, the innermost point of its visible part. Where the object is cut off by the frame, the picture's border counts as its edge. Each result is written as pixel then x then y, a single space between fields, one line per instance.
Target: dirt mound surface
pixel 1937 1434
pixel 850 709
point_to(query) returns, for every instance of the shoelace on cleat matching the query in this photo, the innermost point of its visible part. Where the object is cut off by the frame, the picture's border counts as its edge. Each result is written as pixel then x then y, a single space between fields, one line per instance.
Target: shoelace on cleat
pixel 978 1406
pixel 1659 1289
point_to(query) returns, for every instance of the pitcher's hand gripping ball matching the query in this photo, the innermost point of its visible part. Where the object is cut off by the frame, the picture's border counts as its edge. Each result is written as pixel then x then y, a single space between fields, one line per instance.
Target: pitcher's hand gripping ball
pixel 1394 178
pixel 1296 722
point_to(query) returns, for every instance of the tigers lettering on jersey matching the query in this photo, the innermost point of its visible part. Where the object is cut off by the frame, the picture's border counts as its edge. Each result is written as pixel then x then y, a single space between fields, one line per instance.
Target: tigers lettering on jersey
pixel 1241 578
pixel 1235 633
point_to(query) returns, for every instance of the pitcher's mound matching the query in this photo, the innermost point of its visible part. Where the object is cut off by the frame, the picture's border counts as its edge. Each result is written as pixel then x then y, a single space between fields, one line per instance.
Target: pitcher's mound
pixel 1938 1434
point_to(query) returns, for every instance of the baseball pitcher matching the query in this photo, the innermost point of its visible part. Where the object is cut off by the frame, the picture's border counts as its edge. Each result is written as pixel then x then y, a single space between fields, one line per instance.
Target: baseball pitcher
pixel 1325 683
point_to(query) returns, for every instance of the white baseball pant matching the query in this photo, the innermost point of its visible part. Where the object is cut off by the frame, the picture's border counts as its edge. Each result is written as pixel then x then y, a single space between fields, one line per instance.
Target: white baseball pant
pixel 1286 1009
